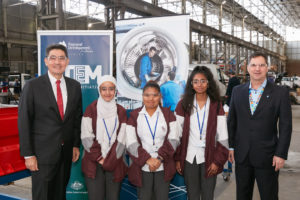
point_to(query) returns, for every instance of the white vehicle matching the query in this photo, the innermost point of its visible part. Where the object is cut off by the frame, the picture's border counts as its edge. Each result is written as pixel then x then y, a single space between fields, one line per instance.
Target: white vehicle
pixel 217 73
pixel 296 80
pixel 287 81
pixel 22 79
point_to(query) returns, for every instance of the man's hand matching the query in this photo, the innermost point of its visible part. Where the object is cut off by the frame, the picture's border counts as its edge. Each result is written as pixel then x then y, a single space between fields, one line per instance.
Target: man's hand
pixel 212 169
pixel 278 162
pixel 178 167
pixel 31 163
pixel 231 156
pixel 76 154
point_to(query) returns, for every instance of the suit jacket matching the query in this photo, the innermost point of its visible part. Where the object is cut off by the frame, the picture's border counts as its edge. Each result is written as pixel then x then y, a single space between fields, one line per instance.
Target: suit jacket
pixel 265 133
pixel 41 129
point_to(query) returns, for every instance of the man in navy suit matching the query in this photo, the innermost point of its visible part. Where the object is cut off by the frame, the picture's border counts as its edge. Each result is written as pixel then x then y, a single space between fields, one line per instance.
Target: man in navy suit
pixel 49 121
pixel 260 126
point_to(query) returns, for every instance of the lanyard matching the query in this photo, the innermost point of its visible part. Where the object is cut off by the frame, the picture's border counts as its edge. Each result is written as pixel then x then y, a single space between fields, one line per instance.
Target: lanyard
pixel 201 127
pixel 253 104
pixel 152 134
pixel 110 136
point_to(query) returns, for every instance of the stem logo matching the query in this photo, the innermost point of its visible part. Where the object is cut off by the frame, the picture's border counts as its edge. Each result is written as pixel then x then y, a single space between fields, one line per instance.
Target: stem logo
pixel 83 73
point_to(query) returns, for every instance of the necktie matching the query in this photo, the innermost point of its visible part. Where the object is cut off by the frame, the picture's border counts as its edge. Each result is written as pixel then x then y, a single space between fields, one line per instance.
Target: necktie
pixel 59 100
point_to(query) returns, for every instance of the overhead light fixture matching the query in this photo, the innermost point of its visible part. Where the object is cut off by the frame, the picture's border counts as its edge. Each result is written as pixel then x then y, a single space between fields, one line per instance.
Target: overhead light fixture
pixel 90 25
pixel 223 2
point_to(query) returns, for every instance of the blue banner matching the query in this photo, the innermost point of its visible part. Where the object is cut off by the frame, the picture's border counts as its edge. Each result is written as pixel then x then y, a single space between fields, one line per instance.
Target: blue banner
pixel 90 54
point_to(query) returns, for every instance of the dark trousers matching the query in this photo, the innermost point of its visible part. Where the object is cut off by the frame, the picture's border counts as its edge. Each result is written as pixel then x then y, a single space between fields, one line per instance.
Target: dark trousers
pixel 196 183
pixel 50 181
pixel 266 179
pixel 153 183
pixel 103 186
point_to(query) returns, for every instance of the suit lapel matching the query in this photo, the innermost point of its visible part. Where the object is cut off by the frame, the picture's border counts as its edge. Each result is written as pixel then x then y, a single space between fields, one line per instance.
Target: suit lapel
pixel 50 92
pixel 245 97
pixel 264 98
pixel 70 96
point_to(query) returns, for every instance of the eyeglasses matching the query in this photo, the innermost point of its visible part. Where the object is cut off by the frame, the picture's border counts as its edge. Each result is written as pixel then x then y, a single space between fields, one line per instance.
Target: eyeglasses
pixel 259 65
pixel 201 81
pixel 59 58
pixel 147 95
pixel 110 89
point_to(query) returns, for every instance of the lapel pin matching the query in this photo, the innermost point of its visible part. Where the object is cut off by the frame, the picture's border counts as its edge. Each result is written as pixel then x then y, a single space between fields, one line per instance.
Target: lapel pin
pixel 268 96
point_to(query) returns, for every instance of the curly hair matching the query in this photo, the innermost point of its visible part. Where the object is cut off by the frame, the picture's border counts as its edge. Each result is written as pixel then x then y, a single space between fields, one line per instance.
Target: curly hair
pixel 189 92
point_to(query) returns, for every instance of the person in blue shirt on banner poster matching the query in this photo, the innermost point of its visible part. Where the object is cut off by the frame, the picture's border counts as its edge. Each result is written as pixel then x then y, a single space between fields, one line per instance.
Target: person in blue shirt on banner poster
pixel 171 92
pixel 146 66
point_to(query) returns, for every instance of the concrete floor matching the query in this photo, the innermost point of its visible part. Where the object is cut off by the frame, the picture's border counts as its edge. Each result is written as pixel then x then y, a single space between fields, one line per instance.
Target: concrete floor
pixel 289 177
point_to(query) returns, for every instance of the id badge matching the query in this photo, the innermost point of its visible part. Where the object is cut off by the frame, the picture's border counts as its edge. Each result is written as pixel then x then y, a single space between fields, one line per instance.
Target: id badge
pixel 155 147
pixel 202 143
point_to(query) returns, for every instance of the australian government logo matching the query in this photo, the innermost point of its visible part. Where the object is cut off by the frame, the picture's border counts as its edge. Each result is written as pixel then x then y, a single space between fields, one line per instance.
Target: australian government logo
pixel 84 74
pixel 76 185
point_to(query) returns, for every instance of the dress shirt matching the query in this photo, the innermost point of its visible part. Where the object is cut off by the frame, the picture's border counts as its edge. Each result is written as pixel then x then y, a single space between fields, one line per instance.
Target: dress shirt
pixel 145 134
pixel 256 94
pixel 63 88
pixel 195 145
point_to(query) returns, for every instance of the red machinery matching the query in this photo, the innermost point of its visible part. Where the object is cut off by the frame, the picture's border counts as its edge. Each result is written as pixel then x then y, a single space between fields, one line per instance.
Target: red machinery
pixel 10 159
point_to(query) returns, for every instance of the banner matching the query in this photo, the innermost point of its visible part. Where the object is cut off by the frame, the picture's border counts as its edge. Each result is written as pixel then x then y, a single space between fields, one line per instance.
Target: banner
pixel 153 49
pixel 90 54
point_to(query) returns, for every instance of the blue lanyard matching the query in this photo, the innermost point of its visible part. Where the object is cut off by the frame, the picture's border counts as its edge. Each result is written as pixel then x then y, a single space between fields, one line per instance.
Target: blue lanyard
pixel 110 136
pixel 152 134
pixel 201 127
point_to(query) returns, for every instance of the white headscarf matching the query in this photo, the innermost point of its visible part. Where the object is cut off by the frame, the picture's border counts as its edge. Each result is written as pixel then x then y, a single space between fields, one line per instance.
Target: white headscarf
pixel 108 112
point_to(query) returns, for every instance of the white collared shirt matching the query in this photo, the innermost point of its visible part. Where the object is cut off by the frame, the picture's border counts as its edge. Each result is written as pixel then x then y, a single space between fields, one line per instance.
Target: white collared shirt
pixel 196 146
pixel 145 134
pixel 63 88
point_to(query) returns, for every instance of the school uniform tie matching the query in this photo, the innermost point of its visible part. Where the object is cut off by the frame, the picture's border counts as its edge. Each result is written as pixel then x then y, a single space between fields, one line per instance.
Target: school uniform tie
pixel 60 103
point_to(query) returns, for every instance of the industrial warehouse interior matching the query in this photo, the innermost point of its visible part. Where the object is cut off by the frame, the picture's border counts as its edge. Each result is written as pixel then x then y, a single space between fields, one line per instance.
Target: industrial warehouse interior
pixel 218 34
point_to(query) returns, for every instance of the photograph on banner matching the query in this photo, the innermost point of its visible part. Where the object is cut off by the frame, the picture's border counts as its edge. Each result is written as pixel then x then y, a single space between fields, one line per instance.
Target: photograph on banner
pixel 151 49
pixel 90 55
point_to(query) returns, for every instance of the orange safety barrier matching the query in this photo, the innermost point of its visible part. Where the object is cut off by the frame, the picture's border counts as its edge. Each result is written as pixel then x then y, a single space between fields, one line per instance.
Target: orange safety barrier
pixel 10 159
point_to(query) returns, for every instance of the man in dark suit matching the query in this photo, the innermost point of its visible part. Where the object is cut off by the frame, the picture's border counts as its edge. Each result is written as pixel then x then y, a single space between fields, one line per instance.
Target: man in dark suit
pixel 49 122
pixel 260 126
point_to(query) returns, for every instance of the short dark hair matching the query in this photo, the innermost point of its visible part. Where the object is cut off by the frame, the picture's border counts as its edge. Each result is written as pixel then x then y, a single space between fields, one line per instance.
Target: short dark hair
pixel 56 46
pixel 258 54
pixel 171 75
pixel 152 49
pixel 151 84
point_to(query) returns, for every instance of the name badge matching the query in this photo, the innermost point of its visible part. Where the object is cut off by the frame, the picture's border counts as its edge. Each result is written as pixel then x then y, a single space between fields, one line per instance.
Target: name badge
pixel 202 143
pixel 155 147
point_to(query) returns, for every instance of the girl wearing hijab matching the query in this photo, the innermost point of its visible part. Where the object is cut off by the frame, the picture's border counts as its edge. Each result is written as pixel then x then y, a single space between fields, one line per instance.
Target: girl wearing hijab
pixel 151 141
pixel 103 138
pixel 204 143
